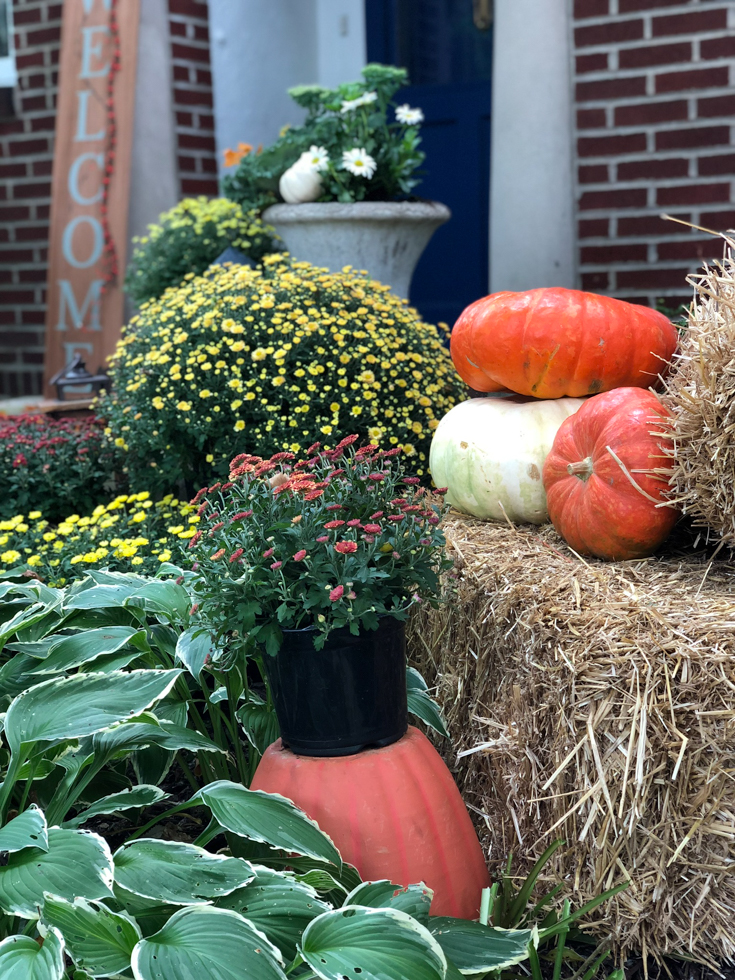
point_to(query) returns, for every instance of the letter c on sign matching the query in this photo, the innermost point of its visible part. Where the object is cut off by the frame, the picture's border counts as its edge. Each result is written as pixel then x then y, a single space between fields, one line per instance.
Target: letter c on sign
pixel 67 242
pixel 74 190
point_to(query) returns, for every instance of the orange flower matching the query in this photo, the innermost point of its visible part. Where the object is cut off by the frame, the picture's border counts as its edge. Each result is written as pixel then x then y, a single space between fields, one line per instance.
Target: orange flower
pixel 233 157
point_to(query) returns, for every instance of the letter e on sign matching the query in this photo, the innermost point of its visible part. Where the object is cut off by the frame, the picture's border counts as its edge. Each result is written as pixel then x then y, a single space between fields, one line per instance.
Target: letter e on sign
pixel 84 301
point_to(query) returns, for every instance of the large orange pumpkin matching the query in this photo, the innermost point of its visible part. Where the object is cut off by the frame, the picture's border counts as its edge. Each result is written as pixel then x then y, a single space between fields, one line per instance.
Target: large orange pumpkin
pixel 551 343
pixel 393 812
pixel 602 494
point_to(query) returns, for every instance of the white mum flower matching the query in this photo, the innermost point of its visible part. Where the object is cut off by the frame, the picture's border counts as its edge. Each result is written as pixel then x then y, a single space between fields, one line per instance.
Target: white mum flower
pixel 359 163
pixel 408 116
pixel 317 158
pixel 349 104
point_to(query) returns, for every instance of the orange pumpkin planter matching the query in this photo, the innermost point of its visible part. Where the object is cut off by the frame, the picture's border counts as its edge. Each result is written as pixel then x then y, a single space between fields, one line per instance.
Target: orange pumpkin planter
pixel 393 812
pixel 552 343
pixel 601 493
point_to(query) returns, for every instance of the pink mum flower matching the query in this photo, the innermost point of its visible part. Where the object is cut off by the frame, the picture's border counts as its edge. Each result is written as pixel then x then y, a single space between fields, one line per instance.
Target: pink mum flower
pixel 330 524
pixel 323 538
pixel 276 564
pixel 268 553
pixel 354 523
pixel 236 554
pixel 300 555
pixel 346 547
pixel 372 528
pixel 337 593
pixel 194 539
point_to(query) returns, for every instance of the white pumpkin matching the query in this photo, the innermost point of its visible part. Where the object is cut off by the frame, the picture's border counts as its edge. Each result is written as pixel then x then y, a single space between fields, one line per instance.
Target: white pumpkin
pixel 489 453
pixel 301 182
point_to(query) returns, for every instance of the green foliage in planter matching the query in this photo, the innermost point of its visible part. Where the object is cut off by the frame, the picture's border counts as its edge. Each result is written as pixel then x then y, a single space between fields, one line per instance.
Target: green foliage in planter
pixel 53 466
pixel 357 115
pixel 270 359
pixel 188 238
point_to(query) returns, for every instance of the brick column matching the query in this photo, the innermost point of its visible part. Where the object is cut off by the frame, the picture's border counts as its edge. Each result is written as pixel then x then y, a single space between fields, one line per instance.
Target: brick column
pixel 26 153
pixel 655 98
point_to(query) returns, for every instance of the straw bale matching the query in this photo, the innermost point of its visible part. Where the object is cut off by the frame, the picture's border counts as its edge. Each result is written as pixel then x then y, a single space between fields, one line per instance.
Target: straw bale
pixel 701 396
pixel 595 702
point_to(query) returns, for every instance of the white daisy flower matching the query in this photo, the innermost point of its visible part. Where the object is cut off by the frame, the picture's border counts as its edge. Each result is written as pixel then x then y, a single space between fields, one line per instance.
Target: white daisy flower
pixel 408 116
pixel 317 158
pixel 349 104
pixel 359 163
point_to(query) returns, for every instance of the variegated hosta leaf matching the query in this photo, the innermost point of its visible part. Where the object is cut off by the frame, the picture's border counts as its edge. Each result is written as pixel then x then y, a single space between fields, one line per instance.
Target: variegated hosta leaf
pixel 138 734
pixel 72 707
pixel 383 944
pixel 277 905
pixel 77 864
pixel 98 940
pixel 140 795
pixel 205 943
pixel 22 958
pixel 68 652
pixel 474 948
pixel 178 874
pixel 267 817
pixel 28 829
pixel 193 648
pixel 415 900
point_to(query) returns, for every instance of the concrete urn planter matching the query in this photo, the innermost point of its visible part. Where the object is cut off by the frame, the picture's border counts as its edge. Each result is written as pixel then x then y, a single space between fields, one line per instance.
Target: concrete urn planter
pixel 384 237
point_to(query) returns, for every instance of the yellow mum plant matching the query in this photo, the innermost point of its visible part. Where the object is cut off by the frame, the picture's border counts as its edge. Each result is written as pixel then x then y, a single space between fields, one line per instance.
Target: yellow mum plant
pixel 272 359
pixel 188 238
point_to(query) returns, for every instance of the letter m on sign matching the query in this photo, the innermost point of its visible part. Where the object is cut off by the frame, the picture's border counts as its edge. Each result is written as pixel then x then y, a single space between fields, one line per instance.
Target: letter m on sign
pixel 77 314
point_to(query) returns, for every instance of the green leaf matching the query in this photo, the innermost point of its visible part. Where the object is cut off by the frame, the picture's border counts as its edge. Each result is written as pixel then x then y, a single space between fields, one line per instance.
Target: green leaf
pixel 279 906
pixel 382 944
pixel 80 648
pixel 137 734
pixel 162 597
pixel 414 900
pixel 77 864
pixel 101 597
pixel 259 723
pixel 21 958
pixel 421 704
pixel 141 795
pixel 322 881
pixel 178 874
pixel 269 818
pixel 193 648
pixel 205 943
pixel 72 707
pixel 98 940
pixel 28 829
pixel 22 620
pixel 474 948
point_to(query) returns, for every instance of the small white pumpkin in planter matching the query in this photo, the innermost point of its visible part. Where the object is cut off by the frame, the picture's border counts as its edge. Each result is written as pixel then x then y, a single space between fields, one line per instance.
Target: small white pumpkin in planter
pixel 489 453
pixel 302 182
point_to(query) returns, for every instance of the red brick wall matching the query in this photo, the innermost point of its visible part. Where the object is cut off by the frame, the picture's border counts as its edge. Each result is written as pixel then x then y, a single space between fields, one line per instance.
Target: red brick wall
pixel 193 103
pixel 655 133
pixel 26 151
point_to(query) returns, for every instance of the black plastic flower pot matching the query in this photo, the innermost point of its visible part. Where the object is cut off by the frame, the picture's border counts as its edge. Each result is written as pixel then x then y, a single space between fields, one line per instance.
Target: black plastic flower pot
pixel 349 696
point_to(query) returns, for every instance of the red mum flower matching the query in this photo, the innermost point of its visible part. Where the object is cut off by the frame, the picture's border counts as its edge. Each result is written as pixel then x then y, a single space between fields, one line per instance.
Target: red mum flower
pixel 300 555
pixel 241 515
pixel 334 473
pixel 347 441
pixel 227 486
pixel 268 553
pixel 395 518
pixel 376 516
pixel 337 593
pixel 323 538
pixel 200 494
pixel 193 608
pixel 440 491
pixel 216 528
pixel 334 507
pixel 331 524
pixel 411 480
pixel 346 547
pixel 218 554
pixel 279 457
pixel 433 519
pixel 276 564
pixel 202 507
pixel 377 477
pixel 390 453
pixel 369 538
pixel 354 523
pixel 194 539
pixel 313 494
pixel 372 528
pixel 236 554
pixel 217 486
pixel 281 487
pixel 425 542
pixel 313 448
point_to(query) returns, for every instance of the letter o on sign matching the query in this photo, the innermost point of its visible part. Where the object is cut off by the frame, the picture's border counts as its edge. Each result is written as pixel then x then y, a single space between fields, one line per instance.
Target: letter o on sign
pixel 67 242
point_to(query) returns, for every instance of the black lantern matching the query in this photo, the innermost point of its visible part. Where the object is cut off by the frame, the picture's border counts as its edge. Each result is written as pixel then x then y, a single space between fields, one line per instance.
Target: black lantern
pixel 76 374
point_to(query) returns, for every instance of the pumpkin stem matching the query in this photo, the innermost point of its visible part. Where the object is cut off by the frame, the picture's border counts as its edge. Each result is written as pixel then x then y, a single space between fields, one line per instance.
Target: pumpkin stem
pixel 583 468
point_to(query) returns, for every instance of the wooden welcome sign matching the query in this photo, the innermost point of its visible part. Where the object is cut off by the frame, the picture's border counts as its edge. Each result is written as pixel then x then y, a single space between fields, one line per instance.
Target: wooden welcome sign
pixel 91 181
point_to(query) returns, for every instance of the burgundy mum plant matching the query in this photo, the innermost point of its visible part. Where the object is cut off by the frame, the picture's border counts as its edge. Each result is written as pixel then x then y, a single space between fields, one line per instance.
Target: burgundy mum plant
pixel 337 539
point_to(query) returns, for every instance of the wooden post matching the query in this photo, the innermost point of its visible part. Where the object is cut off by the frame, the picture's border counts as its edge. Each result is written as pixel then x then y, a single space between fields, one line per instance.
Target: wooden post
pixel 85 306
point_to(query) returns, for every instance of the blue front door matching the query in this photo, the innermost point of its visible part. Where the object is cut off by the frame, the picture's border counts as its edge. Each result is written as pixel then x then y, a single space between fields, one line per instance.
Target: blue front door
pixel 446 45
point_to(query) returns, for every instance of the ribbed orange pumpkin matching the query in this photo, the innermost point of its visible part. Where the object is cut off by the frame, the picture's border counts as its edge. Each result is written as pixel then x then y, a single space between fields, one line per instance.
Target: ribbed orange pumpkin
pixel 552 343
pixel 601 493
pixel 393 812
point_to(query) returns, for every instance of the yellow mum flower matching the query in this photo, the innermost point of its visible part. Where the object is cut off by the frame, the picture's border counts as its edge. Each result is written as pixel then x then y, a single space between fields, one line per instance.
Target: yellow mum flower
pixel 239 425
pixel 205 393
pixel 34 515
pixel 183 406
pixel 8 557
pixel 259 354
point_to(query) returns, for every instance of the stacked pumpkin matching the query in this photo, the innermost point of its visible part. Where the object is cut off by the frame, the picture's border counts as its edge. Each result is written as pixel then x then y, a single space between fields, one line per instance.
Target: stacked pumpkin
pixel 570 431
